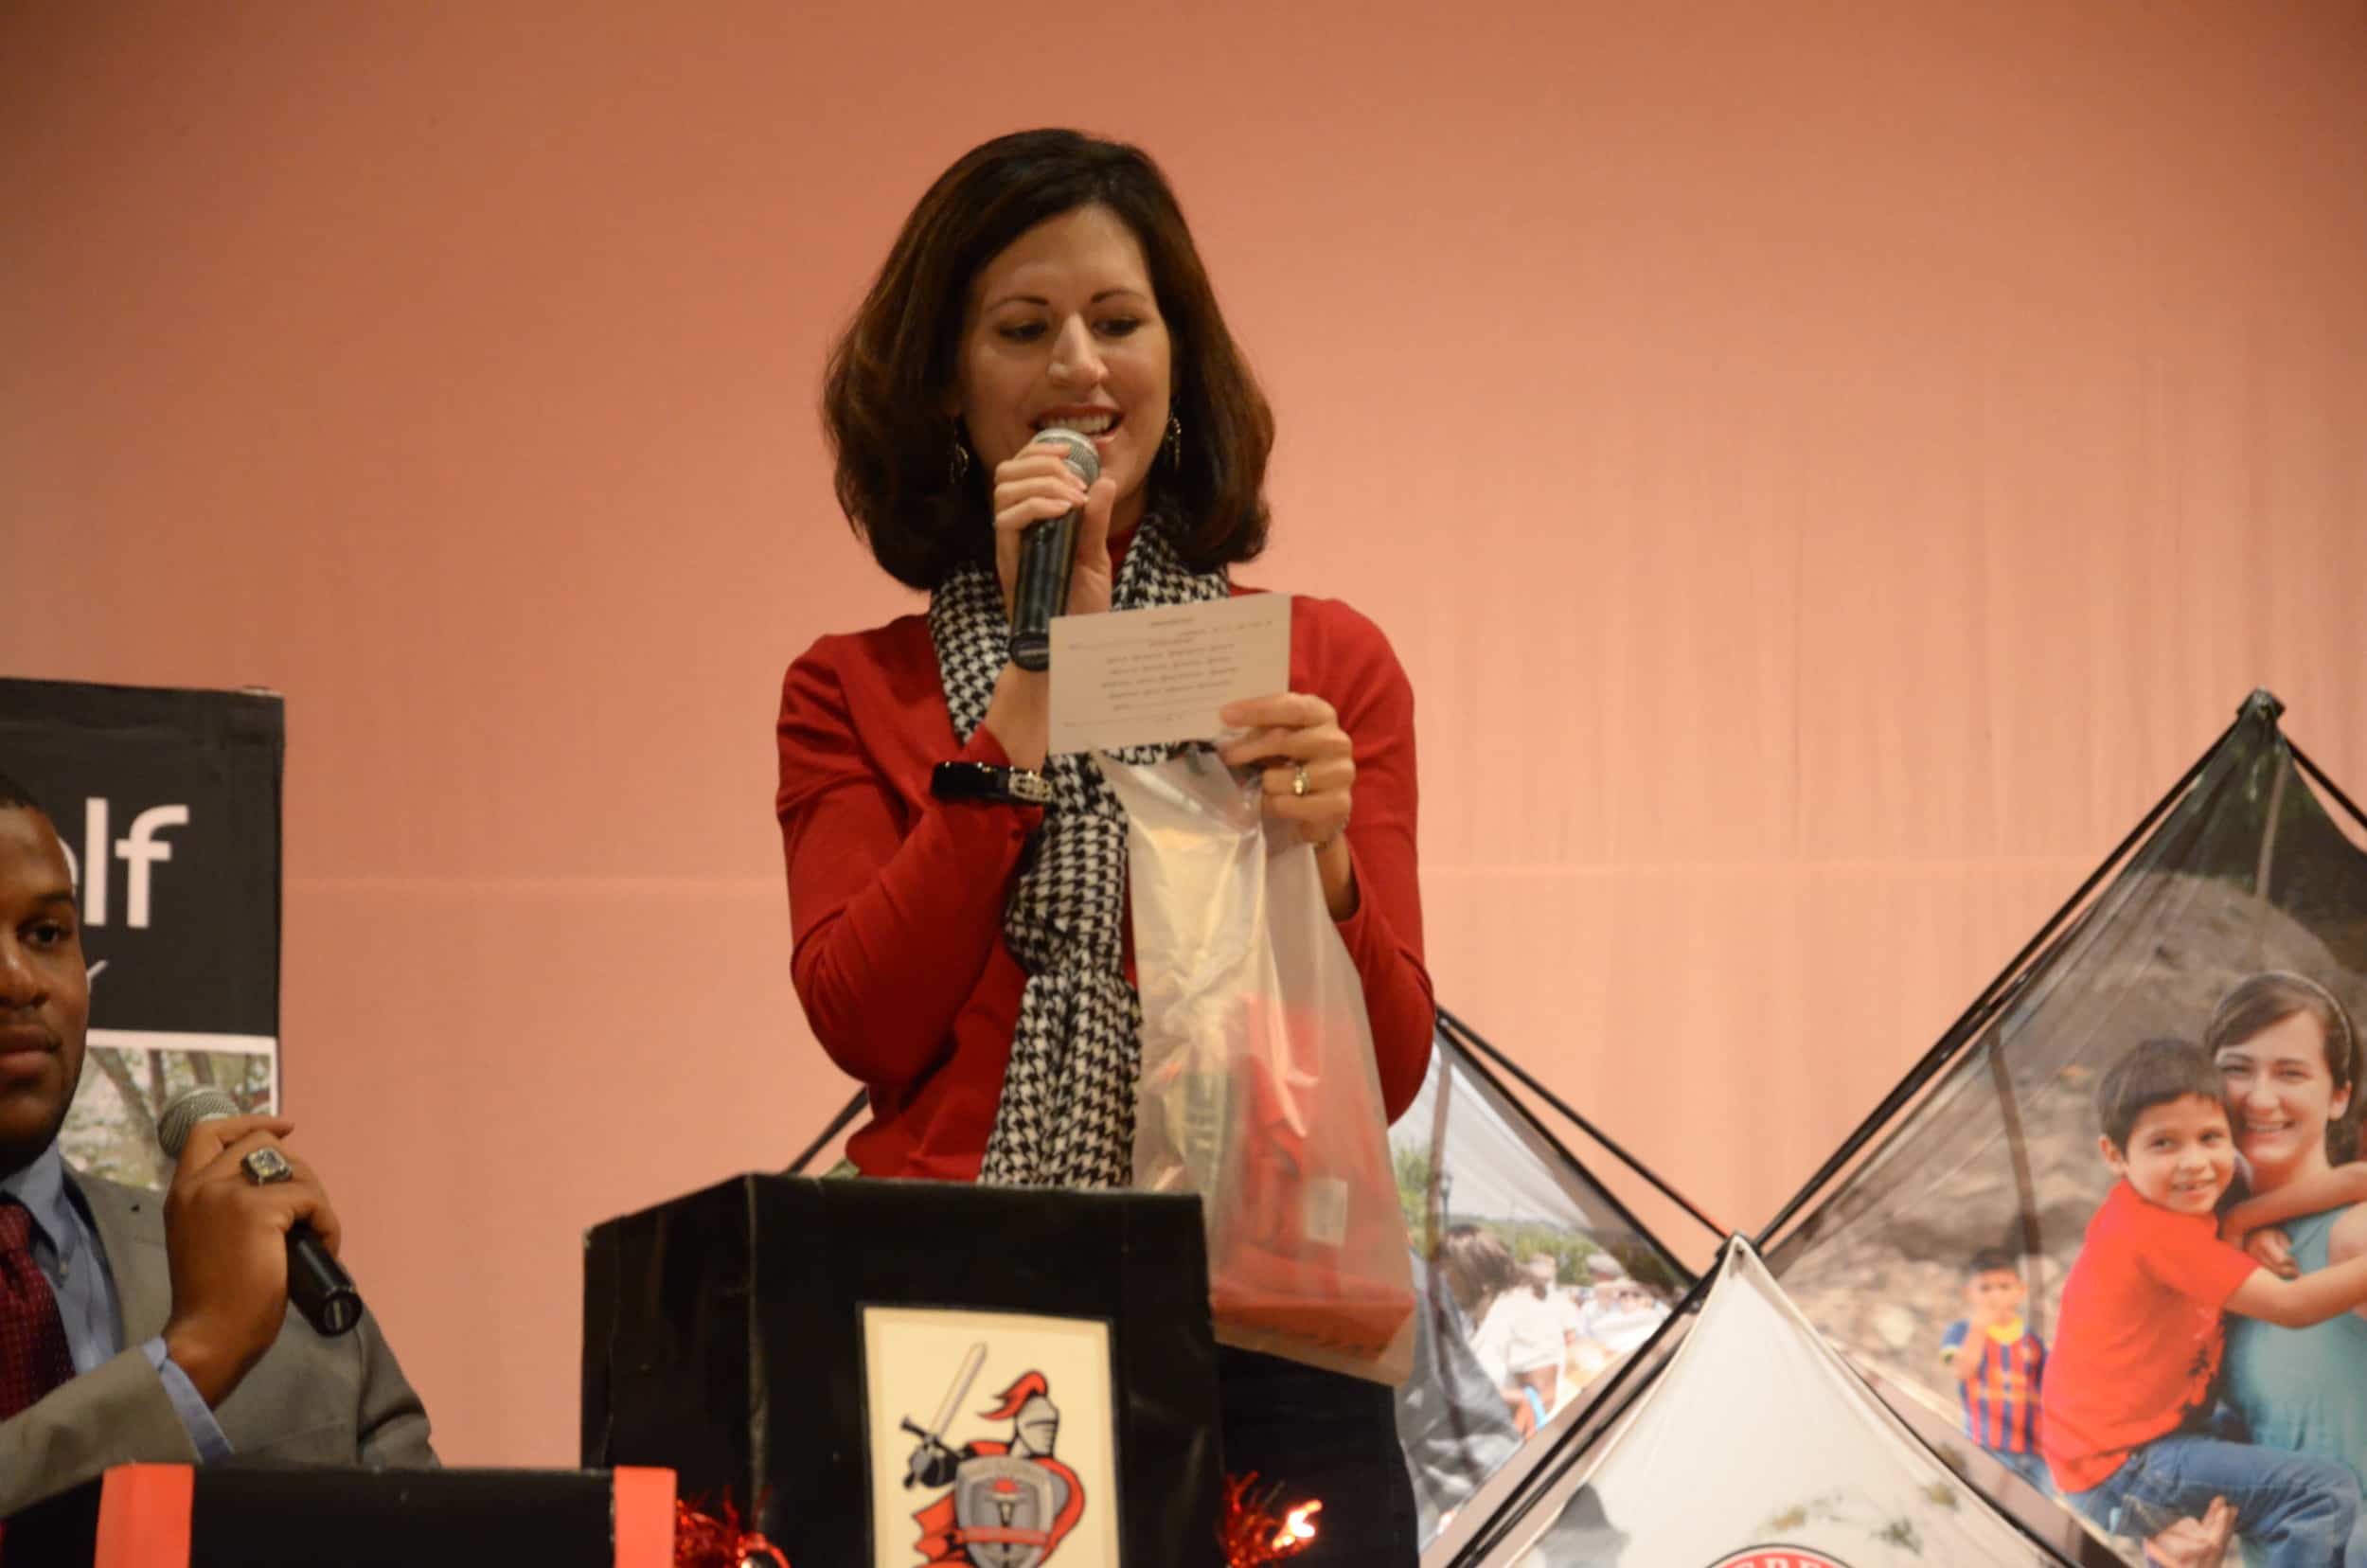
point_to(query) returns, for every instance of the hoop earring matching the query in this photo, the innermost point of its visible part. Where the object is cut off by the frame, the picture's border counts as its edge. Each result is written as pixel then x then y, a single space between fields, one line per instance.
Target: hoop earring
pixel 1173 444
pixel 957 466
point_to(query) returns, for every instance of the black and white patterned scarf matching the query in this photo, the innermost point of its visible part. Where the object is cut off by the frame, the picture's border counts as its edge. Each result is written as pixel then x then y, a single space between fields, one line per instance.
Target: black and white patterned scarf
pixel 1067 1112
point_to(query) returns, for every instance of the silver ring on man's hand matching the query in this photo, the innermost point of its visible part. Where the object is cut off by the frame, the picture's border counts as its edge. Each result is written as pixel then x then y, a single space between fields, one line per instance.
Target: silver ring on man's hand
pixel 1298 780
pixel 265 1166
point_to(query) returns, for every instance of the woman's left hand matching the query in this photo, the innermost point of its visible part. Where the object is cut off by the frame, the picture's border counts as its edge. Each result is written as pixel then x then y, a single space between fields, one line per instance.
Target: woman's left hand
pixel 1308 767
pixel 1308 761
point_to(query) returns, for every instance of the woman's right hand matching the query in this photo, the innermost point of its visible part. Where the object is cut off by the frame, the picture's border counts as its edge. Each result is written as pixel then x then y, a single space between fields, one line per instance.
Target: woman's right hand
pixel 1035 485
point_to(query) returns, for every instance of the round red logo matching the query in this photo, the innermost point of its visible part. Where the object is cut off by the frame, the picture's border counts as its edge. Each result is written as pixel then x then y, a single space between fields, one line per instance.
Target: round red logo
pixel 1778 1557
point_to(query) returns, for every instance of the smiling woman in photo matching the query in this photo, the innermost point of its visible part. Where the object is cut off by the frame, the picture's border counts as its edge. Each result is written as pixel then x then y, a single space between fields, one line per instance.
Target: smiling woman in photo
pixel 2288 1053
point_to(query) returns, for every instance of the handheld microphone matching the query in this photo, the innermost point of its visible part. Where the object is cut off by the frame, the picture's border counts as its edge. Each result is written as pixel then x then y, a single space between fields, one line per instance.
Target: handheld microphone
pixel 1046 551
pixel 317 1283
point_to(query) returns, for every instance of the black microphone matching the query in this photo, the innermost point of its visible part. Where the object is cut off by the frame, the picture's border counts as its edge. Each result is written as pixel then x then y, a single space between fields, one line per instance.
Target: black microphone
pixel 1046 551
pixel 317 1283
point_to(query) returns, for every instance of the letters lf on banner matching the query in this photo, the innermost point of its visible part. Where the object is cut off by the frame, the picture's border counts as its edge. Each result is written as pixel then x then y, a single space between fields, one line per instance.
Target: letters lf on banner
pixel 169 805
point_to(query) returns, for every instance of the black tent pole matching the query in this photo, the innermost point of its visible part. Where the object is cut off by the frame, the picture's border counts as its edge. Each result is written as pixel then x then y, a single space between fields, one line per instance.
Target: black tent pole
pixel 2326 784
pixel 838 1124
pixel 1463 1033
pixel 1458 1034
pixel 2260 705
pixel 2026 1188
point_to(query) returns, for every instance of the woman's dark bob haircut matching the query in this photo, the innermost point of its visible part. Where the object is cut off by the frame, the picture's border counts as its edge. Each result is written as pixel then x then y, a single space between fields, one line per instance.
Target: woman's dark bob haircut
pixel 884 395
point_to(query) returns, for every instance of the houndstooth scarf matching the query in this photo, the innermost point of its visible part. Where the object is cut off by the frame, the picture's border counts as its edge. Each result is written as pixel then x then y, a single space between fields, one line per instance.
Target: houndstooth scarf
pixel 1067 1112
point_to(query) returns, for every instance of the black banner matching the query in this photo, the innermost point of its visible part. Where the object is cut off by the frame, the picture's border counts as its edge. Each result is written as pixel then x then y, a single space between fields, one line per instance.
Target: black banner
pixel 169 805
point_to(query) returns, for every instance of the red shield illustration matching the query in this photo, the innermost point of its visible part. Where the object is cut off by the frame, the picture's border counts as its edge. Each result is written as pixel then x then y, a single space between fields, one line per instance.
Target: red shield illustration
pixel 1008 1512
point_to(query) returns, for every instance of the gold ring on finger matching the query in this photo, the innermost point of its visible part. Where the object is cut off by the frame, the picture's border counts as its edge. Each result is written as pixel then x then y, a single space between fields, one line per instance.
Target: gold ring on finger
pixel 1298 780
pixel 266 1166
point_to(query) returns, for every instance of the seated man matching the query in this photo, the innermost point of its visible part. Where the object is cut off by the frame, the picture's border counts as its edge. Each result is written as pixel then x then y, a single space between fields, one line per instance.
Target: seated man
pixel 137 1325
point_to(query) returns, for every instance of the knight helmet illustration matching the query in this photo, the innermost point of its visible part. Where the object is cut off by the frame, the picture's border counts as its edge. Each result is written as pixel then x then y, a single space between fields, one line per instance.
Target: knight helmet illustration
pixel 1011 1502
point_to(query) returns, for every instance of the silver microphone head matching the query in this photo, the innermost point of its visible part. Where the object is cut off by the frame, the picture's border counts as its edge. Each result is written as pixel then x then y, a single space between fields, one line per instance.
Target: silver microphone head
pixel 1083 460
pixel 185 1110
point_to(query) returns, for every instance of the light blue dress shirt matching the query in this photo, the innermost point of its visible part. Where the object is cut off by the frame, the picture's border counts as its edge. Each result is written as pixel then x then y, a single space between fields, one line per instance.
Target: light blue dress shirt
pixel 67 1251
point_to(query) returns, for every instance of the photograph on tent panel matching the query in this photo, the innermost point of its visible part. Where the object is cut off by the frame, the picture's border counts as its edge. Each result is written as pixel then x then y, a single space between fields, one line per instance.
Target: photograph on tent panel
pixel 1534 1281
pixel 1753 1442
pixel 125 1089
pixel 2119 1241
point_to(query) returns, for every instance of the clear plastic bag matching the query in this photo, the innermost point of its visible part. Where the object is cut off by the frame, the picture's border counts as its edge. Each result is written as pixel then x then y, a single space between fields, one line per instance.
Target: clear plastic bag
pixel 1259 1089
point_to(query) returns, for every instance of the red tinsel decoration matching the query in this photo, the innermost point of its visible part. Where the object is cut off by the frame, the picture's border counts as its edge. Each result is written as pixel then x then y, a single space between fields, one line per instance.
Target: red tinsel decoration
pixel 703 1541
pixel 1254 1533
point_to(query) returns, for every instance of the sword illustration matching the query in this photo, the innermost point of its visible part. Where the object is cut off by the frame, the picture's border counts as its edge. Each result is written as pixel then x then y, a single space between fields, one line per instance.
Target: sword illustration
pixel 933 1436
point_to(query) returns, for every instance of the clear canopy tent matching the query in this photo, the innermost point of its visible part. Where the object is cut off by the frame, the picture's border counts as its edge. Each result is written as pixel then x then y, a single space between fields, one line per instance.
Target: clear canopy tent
pixel 1480 1174
pixel 1740 1437
pixel 2248 880
pixel 1802 1409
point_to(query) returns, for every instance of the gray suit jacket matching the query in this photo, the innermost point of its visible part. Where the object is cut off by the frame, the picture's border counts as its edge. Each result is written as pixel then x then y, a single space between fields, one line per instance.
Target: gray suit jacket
pixel 313 1401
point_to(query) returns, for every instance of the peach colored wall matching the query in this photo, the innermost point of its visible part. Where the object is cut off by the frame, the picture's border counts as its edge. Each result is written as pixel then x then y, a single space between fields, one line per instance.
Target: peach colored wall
pixel 1827 468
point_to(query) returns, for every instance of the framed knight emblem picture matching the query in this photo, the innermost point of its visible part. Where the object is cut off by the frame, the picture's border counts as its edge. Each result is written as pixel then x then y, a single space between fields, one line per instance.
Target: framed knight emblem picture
pixel 993 1439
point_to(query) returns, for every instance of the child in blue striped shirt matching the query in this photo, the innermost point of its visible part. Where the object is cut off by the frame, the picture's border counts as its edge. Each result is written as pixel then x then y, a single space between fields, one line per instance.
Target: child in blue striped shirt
pixel 1999 1363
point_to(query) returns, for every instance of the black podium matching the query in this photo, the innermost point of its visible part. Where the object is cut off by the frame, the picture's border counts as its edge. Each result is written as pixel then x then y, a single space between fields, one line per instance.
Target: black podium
pixel 909 1373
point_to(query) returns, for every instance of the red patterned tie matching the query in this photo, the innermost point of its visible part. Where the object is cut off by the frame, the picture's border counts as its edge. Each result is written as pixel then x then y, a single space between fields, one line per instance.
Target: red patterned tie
pixel 34 1354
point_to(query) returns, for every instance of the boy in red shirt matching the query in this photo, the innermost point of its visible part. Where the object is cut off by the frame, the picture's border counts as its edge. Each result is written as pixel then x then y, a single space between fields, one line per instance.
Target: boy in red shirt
pixel 2138 1345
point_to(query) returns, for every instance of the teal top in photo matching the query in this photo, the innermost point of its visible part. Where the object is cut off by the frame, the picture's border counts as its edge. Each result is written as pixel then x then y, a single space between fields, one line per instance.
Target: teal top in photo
pixel 2304 1390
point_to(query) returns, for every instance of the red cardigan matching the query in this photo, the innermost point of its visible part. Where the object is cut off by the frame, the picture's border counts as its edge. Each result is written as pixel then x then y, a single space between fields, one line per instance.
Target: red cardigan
pixel 895 897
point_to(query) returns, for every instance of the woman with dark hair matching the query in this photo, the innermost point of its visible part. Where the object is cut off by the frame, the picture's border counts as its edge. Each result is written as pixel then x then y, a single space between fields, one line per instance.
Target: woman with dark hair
pixel 957 897
pixel 2288 1054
